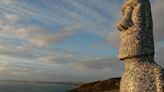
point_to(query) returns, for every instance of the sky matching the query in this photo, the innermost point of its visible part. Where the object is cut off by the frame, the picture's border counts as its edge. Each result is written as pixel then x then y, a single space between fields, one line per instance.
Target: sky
pixel 65 40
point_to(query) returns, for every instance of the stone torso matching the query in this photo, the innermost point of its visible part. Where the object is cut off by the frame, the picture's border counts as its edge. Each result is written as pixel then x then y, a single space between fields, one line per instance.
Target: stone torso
pixel 142 75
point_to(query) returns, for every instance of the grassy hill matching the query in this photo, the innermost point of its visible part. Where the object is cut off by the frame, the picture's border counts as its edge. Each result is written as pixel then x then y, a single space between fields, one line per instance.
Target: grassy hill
pixel 110 85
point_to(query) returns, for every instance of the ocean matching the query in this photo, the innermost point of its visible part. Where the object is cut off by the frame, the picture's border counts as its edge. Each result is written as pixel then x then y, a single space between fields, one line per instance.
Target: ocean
pixel 33 87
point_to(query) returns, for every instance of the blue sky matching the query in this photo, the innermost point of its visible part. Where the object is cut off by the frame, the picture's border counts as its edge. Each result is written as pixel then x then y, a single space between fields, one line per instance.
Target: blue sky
pixel 65 40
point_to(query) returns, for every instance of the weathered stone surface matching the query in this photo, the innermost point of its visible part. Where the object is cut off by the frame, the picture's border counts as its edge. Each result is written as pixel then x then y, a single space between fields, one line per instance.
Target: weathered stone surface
pixel 141 73
pixel 135 42
pixel 136 29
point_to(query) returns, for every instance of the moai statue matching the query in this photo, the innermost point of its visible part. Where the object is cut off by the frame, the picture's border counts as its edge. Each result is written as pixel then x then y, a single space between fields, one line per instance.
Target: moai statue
pixel 141 73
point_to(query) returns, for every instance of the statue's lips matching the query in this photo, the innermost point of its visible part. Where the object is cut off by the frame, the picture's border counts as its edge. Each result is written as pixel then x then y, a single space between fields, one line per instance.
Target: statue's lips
pixel 136 42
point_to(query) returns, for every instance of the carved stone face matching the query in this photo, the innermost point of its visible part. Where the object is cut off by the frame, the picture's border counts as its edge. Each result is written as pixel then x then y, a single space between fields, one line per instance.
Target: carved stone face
pixel 136 38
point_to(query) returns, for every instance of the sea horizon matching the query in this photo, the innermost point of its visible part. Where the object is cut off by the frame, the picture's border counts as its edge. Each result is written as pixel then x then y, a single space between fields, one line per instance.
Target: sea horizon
pixel 34 87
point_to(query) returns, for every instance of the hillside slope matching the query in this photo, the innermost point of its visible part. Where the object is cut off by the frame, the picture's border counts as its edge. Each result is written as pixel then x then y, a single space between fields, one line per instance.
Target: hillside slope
pixel 110 85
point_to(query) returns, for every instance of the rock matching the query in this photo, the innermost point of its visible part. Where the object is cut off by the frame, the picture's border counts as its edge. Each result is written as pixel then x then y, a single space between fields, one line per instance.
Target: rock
pixel 141 73
pixel 136 29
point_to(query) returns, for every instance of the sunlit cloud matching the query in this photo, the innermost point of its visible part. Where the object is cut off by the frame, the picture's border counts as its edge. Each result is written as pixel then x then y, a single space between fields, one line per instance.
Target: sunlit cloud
pixel 55 39
pixel 158 14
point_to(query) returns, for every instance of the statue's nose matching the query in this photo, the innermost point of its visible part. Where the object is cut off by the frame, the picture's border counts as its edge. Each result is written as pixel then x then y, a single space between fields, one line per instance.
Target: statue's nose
pixel 121 27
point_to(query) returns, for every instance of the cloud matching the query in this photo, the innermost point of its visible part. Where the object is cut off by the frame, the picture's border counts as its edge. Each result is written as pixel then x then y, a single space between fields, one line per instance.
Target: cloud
pixel 6 1
pixel 17 54
pixel 61 59
pixel 93 11
pixel 159 56
pixel 41 37
pixel 113 38
pixel 99 63
pixel 91 16
pixel 9 19
pixel 90 62
pixel 35 34
pixel 26 32
pixel 12 70
pixel 158 14
pixel 97 67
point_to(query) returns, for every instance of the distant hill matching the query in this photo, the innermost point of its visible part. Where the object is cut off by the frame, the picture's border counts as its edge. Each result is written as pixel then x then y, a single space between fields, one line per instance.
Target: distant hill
pixel 40 82
pixel 110 85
